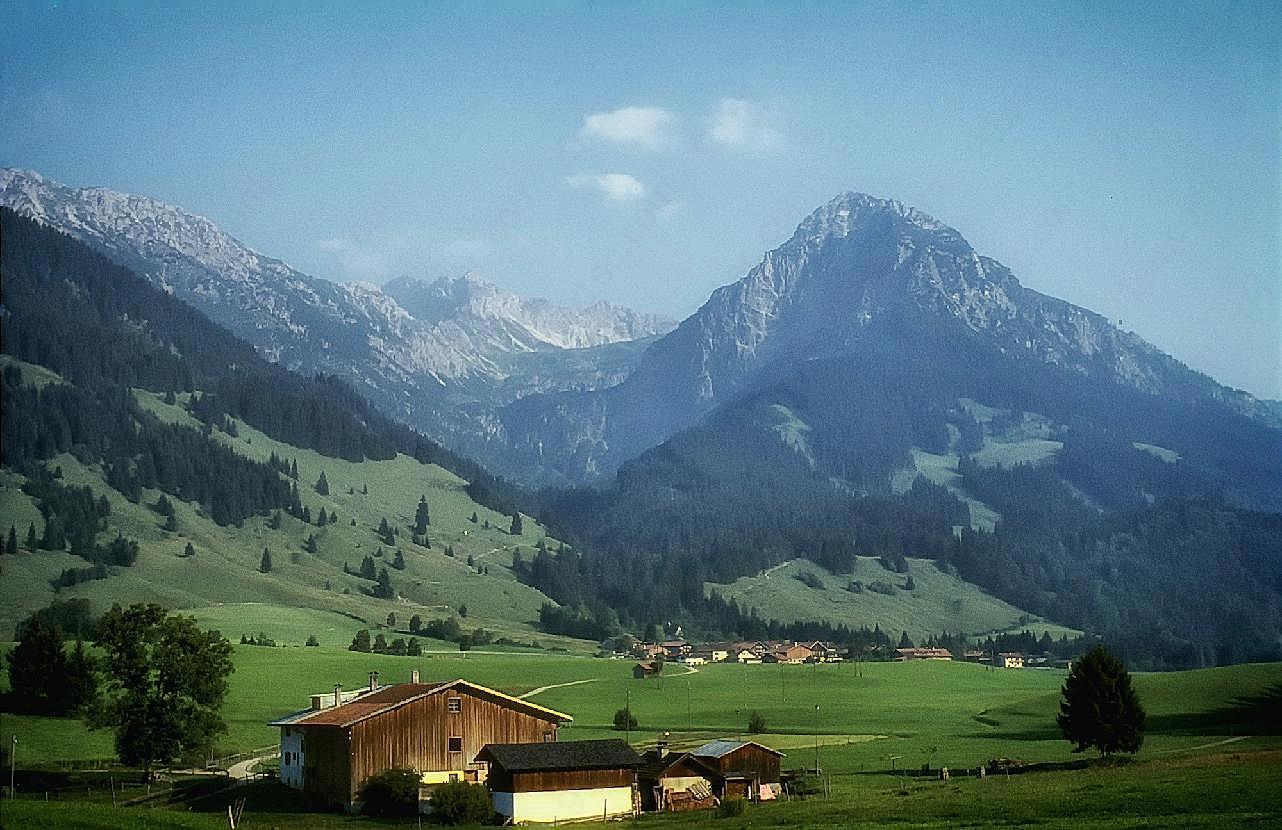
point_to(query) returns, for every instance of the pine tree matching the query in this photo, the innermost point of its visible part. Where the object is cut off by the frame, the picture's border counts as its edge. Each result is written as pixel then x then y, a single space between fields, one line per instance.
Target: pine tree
pixel 31 537
pixel 11 544
pixel 367 568
pixel 275 521
pixel 474 519
pixel 384 588
pixel 416 624
pixel 171 523
pixel 265 565
pixel 322 519
pixel 462 611
pixel 399 562
pixel 391 620
pixel 190 551
pixel 413 648
pixel 361 641
pixel 322 485
pixel 904 642
pixel 1099 707
pixel 422 518
pixel 385 532
pixel 169 397
pixel 293 469
pixel 380 644
pixel 516 528
pixel 312 641
pixel 310 544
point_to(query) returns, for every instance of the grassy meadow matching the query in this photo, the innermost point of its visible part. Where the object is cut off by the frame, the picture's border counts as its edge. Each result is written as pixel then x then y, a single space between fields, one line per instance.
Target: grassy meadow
pixel 876 725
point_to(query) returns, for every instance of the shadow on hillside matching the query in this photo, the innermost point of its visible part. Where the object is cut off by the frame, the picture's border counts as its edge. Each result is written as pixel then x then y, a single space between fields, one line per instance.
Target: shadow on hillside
pixel 1259 714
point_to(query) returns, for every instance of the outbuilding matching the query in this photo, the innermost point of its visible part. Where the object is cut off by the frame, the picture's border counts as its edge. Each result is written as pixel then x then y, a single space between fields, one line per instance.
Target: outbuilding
pixel 740 767
pixel 564 781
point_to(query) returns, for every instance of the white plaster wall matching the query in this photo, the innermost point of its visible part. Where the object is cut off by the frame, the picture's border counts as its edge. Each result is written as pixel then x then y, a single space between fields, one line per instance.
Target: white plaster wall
pixel 564 805
pixel 291 774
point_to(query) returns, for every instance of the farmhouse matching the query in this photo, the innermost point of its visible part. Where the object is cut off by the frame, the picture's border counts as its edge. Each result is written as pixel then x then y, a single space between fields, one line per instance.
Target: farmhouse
pixel 556 782
pixel 905 654
pixel 1009 660
pixel 738 769
pixel 330 750
pixel 794 653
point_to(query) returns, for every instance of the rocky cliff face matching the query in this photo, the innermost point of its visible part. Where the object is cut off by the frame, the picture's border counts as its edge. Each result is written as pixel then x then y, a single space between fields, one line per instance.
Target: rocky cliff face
pixel 857 272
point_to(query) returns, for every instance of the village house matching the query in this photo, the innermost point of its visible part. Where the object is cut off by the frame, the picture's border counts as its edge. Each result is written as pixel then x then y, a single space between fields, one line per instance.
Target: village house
pixel 747 656
pixel 557 782
pixel 1009 660
pixel 675 649
pixel 331 749
pixel 792 653
pixel 906 654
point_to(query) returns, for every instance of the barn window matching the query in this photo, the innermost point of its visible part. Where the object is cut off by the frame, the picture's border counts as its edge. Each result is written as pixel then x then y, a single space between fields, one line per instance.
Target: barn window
pixel 549 736
pixel 454 745
pixel 454 704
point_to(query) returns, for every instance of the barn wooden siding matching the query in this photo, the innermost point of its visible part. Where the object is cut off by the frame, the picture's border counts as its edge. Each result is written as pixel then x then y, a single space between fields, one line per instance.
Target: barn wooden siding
pixel 416 734
pixel 750 761
pixel 501 780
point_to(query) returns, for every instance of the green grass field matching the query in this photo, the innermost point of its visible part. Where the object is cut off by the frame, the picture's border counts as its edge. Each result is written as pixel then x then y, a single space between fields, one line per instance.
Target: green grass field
pixel 938 602
pixel 1195 770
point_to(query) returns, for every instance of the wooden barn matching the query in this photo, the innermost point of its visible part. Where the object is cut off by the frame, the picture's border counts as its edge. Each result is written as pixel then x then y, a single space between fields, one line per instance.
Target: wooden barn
pixel 435 728
pixel 567 781
pixel 739 768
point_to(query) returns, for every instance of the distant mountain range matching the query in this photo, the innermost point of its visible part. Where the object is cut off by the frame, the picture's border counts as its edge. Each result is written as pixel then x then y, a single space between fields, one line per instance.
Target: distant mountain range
pixel 864 288
pixel 437 355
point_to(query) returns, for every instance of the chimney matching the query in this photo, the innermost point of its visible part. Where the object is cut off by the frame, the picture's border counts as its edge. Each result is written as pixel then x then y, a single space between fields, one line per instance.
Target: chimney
pixel 373 680
pixel 414 676
pixel 663 745
pixel 338 694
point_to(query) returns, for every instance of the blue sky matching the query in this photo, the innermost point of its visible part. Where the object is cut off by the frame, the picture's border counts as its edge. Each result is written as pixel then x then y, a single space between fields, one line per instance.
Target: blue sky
pixel 1122 156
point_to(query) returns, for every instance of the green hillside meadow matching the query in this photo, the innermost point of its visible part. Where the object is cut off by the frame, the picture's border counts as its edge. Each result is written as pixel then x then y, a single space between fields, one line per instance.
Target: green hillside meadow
pixel 938 601
pixel 225 567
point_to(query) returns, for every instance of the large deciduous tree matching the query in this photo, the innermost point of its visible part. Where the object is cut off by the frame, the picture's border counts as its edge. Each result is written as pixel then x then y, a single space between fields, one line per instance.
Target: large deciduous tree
pixel 166 683
pixel 1099 707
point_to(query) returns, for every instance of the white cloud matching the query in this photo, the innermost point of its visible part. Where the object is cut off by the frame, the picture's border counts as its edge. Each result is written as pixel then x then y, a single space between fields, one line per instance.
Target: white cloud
pixel 617 187
pixel 741 123
pixel 669 210
pixel 647 127
pixel 355 261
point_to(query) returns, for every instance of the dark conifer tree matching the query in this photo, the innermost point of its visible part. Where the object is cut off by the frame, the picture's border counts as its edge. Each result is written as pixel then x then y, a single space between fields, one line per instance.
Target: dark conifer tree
pixel 310 544
pixel 422 518
pixel 322 485
pixel 361 641
pixel 11 543
pixel 293 469
pixel 1099 707
pixel 275 521
pixel 190 551
pixel 399 562
pixel 391 620
pixel 321 518
pixel 265 565
pixel 474 519
pixel 516 527
pixel 31 537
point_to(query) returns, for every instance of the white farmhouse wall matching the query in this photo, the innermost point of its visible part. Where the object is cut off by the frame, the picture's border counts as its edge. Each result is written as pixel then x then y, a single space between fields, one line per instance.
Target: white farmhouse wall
pixel 291 758
pixel 564 805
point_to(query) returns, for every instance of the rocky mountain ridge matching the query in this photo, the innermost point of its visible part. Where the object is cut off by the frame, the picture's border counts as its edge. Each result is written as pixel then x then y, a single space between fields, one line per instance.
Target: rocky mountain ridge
pixel 471 335
pixel 858 271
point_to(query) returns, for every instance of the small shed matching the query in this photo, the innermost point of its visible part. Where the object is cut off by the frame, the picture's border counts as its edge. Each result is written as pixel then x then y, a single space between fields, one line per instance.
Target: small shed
pixel 675 781
pixel 562 781
pixel 741 767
